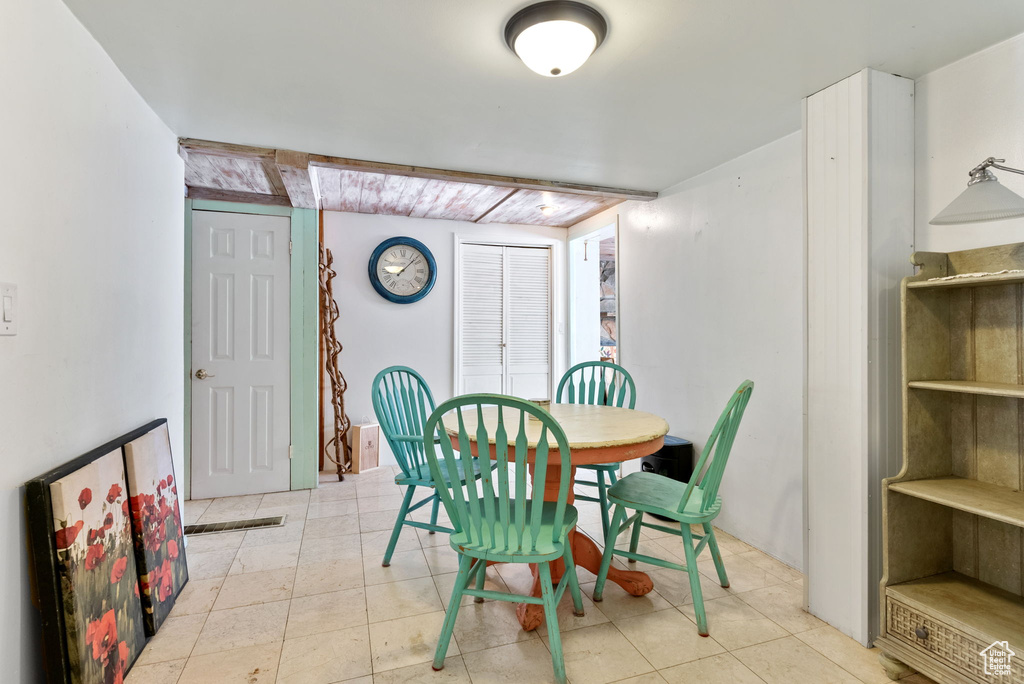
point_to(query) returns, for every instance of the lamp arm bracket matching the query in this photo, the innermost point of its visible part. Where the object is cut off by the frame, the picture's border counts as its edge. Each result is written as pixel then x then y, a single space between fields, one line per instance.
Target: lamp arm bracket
pixel 995 164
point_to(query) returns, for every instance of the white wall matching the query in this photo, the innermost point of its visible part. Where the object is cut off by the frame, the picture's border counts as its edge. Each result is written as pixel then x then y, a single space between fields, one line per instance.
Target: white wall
pixel 376 333
pixel 92 235
pixel 967 111
pixel 711 293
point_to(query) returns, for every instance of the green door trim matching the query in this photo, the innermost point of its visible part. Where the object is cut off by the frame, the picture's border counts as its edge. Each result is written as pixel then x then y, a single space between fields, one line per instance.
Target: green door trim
pixel 304 324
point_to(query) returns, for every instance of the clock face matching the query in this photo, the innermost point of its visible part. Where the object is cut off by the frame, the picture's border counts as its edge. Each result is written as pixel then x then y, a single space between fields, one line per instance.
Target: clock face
pixel 402 270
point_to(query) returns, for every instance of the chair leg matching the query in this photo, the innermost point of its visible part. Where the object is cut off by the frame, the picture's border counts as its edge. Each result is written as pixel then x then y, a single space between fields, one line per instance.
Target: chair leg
pixel 634 539
pixel 461 580
pixel 481 578
pixel 551 615
pixel 716 555
pixel 433 512
pixel 574 583
pixel 399 523
pixel 695 590
pixel 602 494
pixel 609 551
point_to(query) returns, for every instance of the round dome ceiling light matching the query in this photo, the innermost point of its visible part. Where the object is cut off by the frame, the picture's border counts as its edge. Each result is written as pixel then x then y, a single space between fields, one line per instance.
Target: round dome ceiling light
pixel 555 38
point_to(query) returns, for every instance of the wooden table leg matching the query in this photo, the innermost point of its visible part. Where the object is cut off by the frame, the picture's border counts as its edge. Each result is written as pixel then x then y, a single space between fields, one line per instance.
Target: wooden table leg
pixel 585 553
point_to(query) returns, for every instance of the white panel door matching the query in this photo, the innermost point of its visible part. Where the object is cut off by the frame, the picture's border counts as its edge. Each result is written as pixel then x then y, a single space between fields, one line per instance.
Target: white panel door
pixel 482 325
pixel 505 321
pixel 240 354
pixel 528 302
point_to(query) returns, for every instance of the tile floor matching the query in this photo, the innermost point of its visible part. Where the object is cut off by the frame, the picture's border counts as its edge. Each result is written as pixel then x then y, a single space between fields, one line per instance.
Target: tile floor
pixel 309 603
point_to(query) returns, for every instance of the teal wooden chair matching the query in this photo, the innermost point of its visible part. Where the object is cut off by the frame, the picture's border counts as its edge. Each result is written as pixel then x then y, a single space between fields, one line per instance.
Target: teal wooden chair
pixel 402 402
pixel 691 503
pixel 501 519
pixel 603 384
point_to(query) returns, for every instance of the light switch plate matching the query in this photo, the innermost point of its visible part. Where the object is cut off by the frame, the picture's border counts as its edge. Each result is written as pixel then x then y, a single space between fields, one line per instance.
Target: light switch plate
pixel 8 309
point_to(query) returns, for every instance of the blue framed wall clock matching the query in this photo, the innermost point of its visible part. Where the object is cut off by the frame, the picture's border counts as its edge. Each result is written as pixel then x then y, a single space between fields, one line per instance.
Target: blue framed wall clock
pixel 402 270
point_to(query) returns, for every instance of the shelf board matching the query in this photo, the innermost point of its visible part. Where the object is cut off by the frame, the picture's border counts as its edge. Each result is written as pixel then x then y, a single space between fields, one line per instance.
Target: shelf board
pixel 979 281
pixel 980 498
pixel 991 389
pixel 972 606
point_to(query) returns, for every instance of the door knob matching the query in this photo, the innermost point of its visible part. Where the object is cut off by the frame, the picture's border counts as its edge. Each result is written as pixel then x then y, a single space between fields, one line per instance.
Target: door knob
pixel 201 374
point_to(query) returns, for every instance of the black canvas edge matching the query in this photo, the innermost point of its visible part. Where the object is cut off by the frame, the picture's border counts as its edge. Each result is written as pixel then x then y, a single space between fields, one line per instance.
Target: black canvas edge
pixel 43 553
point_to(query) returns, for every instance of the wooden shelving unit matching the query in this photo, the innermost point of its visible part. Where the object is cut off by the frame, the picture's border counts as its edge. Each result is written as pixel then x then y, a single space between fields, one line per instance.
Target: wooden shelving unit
pixel 953 519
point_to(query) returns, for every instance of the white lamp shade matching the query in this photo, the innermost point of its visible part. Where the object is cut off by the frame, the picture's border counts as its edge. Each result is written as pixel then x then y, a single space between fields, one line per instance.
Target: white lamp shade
pixel 985 200
pixel 555 48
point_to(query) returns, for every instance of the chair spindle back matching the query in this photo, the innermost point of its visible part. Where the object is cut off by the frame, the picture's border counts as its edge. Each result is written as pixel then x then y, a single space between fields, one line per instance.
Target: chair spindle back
pixel 402 402
pixel 598 383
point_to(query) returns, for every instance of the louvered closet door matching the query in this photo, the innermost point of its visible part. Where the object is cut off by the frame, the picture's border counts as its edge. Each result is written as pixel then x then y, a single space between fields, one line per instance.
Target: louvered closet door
pixel 482 328
pixel 528 302
pixel 505 325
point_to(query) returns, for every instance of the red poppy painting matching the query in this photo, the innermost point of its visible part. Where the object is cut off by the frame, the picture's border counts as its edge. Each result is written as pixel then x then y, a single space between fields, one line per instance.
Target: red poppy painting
pixel 159 535
pixel 103 616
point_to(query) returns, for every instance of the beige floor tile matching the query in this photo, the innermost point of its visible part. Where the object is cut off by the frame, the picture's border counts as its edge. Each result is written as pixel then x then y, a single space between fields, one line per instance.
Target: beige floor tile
pixel 488 624
pixel 254 588
pixel 209 565
pixel 174 641
pixel 376 521
pixel 718 669
pixel 407 641
pixel 734 624
pixel 617 604
pixel 649 678
pixel 375 543
pixel 783 604
pixel 847 653
pixel 326 658
pixel 194 509
pixel 289 532
pixel 289 513
pixel 221 541
pixel 518 663
pixel 232 508
pixel 327 576
pixel 332 509
pixel 380 488
pixel 327 612
pixel 789 660
pixel 236 628
pixel 269 557
pixel 916 679
pixel 441 559
pixel 674 586
pixel 743 575
pixel 568 621
pixel 331 526
pixel 346 548
pixel 387 502
pixel 157 673
pixel 427 539
pixel 402 599
pixel 446 582
pixel 197 597
pixel 333 491
pixel 601 654
pixel 404 565
pixel 249 665
pixel 730 545
pixel 518 577
pixel 296 498
pixel 772 565
pixel 667 638
pixel 454 672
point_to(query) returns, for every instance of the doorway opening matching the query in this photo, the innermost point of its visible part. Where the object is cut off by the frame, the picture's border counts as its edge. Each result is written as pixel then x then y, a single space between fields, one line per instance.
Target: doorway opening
pixel 593 299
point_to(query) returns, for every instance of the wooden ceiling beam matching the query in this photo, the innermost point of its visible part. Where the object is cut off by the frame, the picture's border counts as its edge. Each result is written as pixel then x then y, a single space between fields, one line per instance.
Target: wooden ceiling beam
pixel 237 196
pixel 219 149
pixel 294 170
pixel 344 164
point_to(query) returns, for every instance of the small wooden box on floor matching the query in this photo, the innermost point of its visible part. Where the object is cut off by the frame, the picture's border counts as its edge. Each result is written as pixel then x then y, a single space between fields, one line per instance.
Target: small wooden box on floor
pixel 365 446
pixel 953 519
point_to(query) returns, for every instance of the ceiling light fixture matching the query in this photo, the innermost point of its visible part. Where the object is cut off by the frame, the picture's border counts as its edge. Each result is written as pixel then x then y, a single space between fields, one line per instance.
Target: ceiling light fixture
pixel 555 38
pixel 547 209
pixel 985 199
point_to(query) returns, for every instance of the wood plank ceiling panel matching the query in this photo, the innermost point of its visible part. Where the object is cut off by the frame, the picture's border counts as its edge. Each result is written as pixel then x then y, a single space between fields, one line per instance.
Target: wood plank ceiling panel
pixel 370 197
pixel 401 194
pixel 351 190
pixel 330 188
pixel 524 208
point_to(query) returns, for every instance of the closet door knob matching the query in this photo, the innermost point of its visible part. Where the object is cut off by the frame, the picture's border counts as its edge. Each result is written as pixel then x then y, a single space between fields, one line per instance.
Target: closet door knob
pixel 921 632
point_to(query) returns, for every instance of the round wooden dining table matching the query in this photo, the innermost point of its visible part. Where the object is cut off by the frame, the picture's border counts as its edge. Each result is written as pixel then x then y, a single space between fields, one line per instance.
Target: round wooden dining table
pixel 596 434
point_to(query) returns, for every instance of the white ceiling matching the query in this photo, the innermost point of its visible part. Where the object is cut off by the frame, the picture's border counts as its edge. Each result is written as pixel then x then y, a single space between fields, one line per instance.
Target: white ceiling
pixel 678 87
